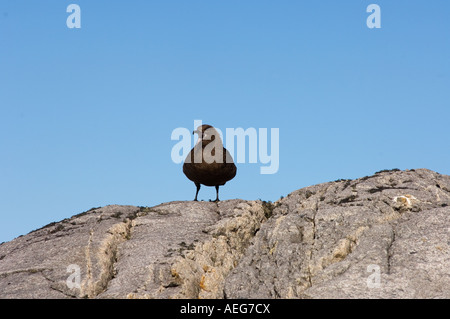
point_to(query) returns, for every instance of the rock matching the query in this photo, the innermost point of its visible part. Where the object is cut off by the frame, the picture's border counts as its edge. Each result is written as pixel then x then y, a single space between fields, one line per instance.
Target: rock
pixel 174 250
pixel 382 236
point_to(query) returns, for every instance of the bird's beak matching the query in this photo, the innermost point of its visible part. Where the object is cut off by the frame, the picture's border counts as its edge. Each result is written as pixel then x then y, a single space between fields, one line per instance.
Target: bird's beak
pixel 196 131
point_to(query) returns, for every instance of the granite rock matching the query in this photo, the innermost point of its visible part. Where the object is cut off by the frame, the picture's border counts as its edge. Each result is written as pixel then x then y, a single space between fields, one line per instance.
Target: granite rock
pixel 380 236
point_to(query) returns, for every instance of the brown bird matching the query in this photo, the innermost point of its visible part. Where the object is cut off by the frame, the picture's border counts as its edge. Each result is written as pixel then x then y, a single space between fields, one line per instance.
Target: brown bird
pixel 209 163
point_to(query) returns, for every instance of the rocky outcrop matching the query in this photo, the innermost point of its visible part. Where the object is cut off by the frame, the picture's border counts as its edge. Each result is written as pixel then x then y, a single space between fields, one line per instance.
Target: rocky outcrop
pixel 382 236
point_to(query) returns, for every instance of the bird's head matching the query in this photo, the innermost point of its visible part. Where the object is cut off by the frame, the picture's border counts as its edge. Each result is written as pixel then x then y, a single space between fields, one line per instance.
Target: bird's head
pixel 206 134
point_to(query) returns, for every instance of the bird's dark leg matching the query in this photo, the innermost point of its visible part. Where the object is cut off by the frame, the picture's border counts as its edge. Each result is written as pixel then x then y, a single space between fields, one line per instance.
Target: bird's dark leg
pixel 217 193
pixel 198 188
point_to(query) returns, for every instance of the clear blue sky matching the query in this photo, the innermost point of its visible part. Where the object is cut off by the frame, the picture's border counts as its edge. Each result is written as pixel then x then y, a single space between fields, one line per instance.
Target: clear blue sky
pixel 86 114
